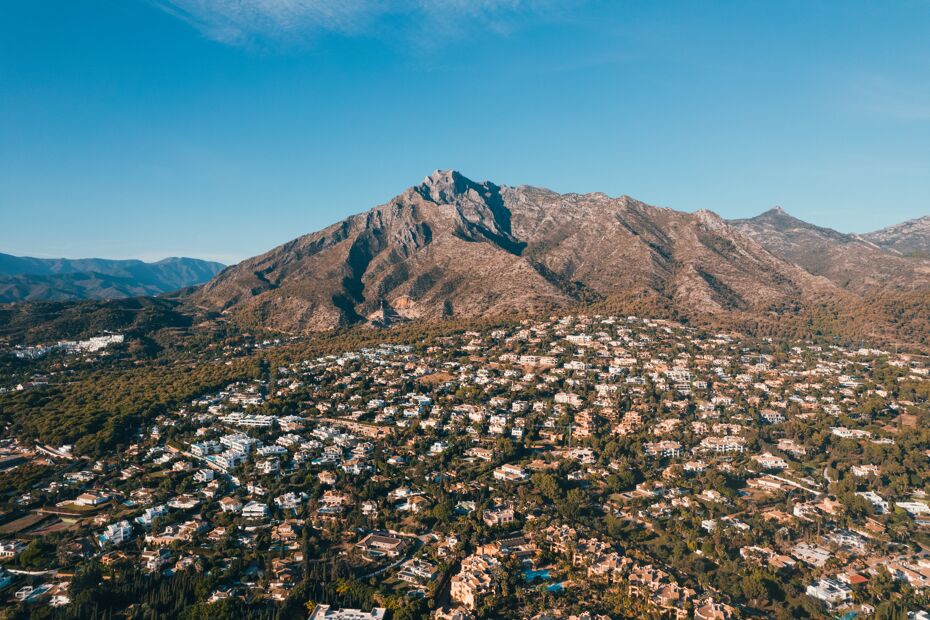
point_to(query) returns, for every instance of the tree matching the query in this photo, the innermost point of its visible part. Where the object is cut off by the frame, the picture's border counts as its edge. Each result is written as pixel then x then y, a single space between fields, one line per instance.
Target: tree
pixel 37 554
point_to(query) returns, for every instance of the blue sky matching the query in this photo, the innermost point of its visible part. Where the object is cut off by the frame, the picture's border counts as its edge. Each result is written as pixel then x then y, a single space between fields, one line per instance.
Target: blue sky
pixel 220 128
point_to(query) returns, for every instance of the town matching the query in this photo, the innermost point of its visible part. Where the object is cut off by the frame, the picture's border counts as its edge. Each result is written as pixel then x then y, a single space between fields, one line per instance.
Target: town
pixel 73 347
pixel 583 466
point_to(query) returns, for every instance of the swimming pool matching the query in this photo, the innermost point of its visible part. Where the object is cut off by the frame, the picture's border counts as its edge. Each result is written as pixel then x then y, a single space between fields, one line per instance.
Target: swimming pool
pixel 533 575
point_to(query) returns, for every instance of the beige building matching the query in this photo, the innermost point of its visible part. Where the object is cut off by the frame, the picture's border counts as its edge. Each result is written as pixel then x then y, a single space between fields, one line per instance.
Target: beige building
pixel 476 580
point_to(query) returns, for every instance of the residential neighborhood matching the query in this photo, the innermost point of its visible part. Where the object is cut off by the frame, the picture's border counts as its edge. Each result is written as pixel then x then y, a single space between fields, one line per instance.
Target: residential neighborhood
pixel 584 466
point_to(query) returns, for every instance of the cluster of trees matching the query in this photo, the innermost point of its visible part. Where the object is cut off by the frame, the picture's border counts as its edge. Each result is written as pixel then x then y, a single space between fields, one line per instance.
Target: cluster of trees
pixel 52 321
pixel 101 410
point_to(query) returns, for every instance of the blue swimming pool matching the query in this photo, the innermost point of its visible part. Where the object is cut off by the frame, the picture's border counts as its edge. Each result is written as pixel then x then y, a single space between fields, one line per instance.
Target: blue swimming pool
pixel 533 575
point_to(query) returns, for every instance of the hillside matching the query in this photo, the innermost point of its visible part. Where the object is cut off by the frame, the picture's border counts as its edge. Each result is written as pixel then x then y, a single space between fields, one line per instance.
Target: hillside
pixel 37 279
pixel 849 261
pixel 48 321
pixel 911 238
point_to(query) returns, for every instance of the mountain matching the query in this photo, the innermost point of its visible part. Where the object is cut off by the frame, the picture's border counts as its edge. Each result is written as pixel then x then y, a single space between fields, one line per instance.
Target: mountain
pixel 852 262
pixel 60 279
pixel 911 238
pixel 451 246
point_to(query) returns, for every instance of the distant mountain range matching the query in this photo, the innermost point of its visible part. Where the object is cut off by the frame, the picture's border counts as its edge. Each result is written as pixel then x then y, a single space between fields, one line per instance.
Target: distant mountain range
pixel 61 279
pixel 453 247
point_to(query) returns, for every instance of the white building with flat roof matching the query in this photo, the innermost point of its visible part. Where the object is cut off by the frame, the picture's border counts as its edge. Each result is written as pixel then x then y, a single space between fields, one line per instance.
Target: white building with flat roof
pixel 326 612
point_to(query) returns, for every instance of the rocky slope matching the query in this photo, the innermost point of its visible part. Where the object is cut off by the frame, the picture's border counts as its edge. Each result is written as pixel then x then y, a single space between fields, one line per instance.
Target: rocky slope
pixel 911 238
pixel 60 279
pixel 454 247
pixel 850 261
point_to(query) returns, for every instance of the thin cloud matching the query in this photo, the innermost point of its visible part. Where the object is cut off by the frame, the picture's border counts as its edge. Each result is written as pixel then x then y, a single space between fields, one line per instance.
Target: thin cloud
pixel 246 22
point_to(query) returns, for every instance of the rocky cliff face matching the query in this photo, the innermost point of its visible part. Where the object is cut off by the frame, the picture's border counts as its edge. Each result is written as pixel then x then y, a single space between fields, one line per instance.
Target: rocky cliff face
pixel 451 246
pixel 852 262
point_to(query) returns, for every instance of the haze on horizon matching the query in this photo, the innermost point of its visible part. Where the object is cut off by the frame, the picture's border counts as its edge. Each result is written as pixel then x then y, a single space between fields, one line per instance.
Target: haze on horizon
pixel 219 129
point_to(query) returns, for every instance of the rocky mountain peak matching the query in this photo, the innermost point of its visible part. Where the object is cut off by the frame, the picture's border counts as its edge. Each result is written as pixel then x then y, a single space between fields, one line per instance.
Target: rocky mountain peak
pixel 777 216
pixel 445 185
pixel 710 219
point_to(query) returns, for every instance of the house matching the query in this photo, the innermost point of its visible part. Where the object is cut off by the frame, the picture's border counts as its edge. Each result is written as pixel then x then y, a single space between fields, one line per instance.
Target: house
pixel 183 502
pixel 695 467
pixel 153 560
pixel 863 471
pixel 230 504
pixel 723 445
pixel 708 609
pixel 10 548
pixel 177 533
pixel 417 571
pixel 830 591
pixel 211 489
pixel 610 567
pixel 227 460
pixel 325 612
pixel 115 534
pixel 457 613
pixel 415 504
pixel 766 557
pixel 381 543
pixel 290 500
pixel 811 554
pixel 566 398
pixel 663 449
pixel 91 499
pixel 286 532
pixel 255 510
pixel 476 579
pixel 767 483
pixel 849 433
pixel 510 473
pixel 269 466
pixel 498 516
pixel 150 514
pixel 205 448
pixel 772 417
pixel 335 499
pixel 672 600
pixel 767 460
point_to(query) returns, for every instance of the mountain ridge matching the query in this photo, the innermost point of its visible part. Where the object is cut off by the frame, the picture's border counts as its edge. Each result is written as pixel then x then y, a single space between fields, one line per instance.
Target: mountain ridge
pixel 911 237
pixel 59 279
pixel 451 246
pixel 850 261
